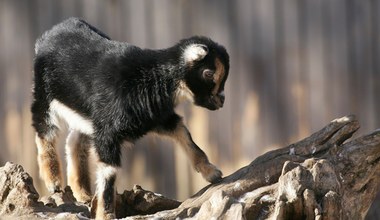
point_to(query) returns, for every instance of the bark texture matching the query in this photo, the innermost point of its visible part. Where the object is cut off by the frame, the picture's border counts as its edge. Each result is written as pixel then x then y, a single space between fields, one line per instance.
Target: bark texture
pixel 323 176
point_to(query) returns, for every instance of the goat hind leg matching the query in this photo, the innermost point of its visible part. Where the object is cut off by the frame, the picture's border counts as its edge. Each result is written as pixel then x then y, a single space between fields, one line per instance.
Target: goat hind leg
pixel 78 175
pixel 49 162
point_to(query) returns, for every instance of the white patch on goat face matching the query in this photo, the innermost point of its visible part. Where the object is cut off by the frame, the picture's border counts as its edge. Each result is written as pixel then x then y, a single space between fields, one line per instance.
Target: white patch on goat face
pixel 183 93
pixel 194 52
pixel 73 119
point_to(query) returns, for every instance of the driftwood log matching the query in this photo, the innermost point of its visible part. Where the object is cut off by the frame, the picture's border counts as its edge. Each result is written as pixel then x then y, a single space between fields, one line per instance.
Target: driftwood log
pixel 323 176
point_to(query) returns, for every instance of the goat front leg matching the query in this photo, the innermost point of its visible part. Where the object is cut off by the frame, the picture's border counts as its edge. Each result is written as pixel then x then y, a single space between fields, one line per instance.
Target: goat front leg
pixel 103 203
pixel 176 130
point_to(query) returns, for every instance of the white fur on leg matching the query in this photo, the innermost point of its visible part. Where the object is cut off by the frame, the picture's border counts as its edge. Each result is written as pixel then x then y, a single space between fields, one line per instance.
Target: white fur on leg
pixel 78 177
pixel 104 173
pixel 71 141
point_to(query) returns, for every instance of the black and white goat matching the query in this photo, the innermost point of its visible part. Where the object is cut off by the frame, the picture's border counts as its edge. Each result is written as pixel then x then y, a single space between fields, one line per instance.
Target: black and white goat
pixel 111 92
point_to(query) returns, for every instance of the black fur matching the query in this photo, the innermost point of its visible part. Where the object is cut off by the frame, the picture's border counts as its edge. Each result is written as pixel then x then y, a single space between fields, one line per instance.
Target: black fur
pixel 124 90
pixel 109 193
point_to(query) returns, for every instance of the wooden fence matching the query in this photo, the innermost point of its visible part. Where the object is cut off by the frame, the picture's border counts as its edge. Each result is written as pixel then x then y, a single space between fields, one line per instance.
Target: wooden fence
pixel 295 65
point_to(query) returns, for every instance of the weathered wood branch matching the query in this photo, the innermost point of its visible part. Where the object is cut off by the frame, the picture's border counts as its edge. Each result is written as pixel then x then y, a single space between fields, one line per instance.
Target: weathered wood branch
pixel 323 176
pixel 320 177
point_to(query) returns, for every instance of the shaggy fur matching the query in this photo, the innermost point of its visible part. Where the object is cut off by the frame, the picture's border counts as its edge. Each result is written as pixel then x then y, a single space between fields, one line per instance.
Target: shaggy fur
pixel 110 92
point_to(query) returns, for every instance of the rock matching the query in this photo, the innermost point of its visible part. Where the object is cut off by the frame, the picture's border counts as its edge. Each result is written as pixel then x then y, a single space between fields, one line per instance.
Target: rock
pixel 17 193
pixel 19 198
pixel 141 202
pixel 61 202
pixel 320 177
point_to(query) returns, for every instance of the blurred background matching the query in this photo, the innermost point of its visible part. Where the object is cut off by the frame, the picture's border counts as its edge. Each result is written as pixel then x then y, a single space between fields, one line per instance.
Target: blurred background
pixel 295 66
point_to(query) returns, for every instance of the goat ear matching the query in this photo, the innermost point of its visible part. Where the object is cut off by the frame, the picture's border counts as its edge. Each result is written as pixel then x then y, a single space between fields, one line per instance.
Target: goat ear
pixel 194 52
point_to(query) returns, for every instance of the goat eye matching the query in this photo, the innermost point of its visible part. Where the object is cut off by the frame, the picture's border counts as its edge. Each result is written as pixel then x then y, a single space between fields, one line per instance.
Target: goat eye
pixel 208 74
